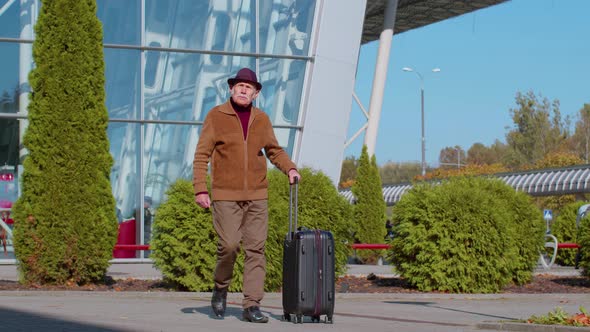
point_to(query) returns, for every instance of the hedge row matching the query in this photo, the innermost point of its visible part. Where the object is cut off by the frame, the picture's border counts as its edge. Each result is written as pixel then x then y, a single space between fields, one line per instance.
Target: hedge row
pixel 472 235
pixel 466 235
pixel 184 241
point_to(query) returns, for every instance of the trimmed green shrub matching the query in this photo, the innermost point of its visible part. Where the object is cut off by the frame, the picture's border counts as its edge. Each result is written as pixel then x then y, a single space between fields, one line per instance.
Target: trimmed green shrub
pixel 65 222
pixel 185 243
pixel 472 235
pixel 565 230
pixel 584 242
pixel 369 208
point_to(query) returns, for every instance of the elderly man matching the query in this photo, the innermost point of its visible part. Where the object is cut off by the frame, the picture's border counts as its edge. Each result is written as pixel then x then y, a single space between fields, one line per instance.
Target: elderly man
pixel 233 138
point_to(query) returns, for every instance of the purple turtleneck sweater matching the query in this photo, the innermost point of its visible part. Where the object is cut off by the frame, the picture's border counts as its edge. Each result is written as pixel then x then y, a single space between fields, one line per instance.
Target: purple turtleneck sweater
pixel 243 114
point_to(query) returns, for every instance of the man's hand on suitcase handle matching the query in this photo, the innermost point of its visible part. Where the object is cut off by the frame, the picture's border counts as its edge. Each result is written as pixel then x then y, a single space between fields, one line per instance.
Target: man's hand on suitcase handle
pixel 293 174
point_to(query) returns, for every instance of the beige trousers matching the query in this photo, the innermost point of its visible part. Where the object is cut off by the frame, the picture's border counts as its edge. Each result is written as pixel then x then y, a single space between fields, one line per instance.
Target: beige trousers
pixel 244 222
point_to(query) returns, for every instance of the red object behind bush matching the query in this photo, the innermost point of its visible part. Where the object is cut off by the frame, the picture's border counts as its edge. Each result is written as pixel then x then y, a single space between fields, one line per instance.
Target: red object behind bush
pixel 126 236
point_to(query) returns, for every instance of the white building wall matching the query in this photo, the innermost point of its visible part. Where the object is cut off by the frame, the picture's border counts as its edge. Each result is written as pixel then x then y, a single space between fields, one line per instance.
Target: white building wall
pixel 332 77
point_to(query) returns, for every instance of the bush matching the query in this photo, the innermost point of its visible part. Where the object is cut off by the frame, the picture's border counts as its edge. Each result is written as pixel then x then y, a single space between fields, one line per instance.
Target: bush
pixel 369 208
pixel 473 235
pixel 185 243
pixel 65 223
pixel 565 230
pixel 584 242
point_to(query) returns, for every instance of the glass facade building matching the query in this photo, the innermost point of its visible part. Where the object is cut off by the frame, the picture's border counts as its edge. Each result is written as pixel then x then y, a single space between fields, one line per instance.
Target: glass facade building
pixel 166 64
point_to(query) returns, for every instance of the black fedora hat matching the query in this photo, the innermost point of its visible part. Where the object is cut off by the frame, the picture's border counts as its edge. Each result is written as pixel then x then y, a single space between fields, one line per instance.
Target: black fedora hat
pixel 245 75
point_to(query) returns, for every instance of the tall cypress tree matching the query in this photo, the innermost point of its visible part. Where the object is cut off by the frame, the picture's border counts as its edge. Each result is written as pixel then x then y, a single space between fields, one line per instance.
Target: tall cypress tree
pixel 65 222
pixel 369 210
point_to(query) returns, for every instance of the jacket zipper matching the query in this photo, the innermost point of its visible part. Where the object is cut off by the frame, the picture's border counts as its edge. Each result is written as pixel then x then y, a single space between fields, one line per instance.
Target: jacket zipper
pixel 245 149
pixel 250 121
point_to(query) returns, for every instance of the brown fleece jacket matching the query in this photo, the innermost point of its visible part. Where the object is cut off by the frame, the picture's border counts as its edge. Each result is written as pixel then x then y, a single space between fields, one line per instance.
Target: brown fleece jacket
pixel 238 165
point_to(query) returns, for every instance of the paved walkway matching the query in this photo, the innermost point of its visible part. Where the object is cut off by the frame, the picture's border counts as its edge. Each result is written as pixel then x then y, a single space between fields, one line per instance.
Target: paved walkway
pixel 185 311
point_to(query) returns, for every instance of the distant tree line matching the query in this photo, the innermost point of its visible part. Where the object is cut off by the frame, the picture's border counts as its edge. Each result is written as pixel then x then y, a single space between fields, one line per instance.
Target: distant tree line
pixel 538 138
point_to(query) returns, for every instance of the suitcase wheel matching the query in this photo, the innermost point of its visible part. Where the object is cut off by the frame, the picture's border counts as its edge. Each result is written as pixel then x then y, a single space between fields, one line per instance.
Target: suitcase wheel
pixel 287 317
pixel 299 319
pixel 329 320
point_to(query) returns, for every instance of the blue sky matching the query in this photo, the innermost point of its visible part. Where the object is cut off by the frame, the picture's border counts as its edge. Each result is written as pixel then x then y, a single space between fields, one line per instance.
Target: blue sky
pixel 485 58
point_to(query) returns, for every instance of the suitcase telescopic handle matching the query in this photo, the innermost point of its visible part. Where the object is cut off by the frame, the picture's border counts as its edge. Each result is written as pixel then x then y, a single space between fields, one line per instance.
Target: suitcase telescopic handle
pixel 293 207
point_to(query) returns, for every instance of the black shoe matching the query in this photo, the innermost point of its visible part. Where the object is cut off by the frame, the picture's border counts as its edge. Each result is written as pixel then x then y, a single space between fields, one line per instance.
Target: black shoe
pixel 253 314
pixel 218 301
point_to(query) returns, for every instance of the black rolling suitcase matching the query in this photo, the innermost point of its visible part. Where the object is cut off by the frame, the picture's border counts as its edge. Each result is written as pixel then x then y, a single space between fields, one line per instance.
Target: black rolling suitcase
pixel 308 270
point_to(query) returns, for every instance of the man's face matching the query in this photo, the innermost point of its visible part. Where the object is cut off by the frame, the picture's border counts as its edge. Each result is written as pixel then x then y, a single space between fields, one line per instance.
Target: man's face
pixel 243 93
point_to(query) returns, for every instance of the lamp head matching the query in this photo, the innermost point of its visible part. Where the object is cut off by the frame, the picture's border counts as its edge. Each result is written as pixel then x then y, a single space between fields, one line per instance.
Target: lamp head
pixel 436 70
pixel 407 69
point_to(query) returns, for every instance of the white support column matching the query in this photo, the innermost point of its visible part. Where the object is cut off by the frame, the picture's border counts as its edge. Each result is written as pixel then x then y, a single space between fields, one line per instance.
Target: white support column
pixel 380 76
pixel 329 78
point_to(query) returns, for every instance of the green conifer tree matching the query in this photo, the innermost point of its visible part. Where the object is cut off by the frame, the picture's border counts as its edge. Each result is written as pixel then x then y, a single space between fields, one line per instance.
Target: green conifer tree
pixel 65 222
pixel 370 208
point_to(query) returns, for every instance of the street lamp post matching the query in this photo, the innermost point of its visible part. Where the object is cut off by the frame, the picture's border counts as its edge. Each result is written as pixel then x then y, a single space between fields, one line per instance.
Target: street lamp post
pixel 435 70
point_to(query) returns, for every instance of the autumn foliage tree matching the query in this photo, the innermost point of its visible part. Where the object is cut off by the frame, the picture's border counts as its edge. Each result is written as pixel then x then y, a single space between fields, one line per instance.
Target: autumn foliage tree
pixel 538 130
pixel 392 172
pixel 451 157
pixel 348 172
pixel 580 141
pixel 480 154
pixel 470 170
pixel 65 222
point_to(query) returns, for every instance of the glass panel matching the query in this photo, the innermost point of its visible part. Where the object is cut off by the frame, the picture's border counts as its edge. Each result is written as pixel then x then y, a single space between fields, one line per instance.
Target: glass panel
pixel 10 11
pixel 210 100
pixel 222 21
pixel 182 88
pixel 168 156
pixel 9 161
pixel 203 25
pixel 9 79
pixel 286 138
pixel 170 85
pixel 282 82
pixel 124 141
pixel 120 20
pixel 285 26
pixel 9 171
pixel 151 65
pixel 122 83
